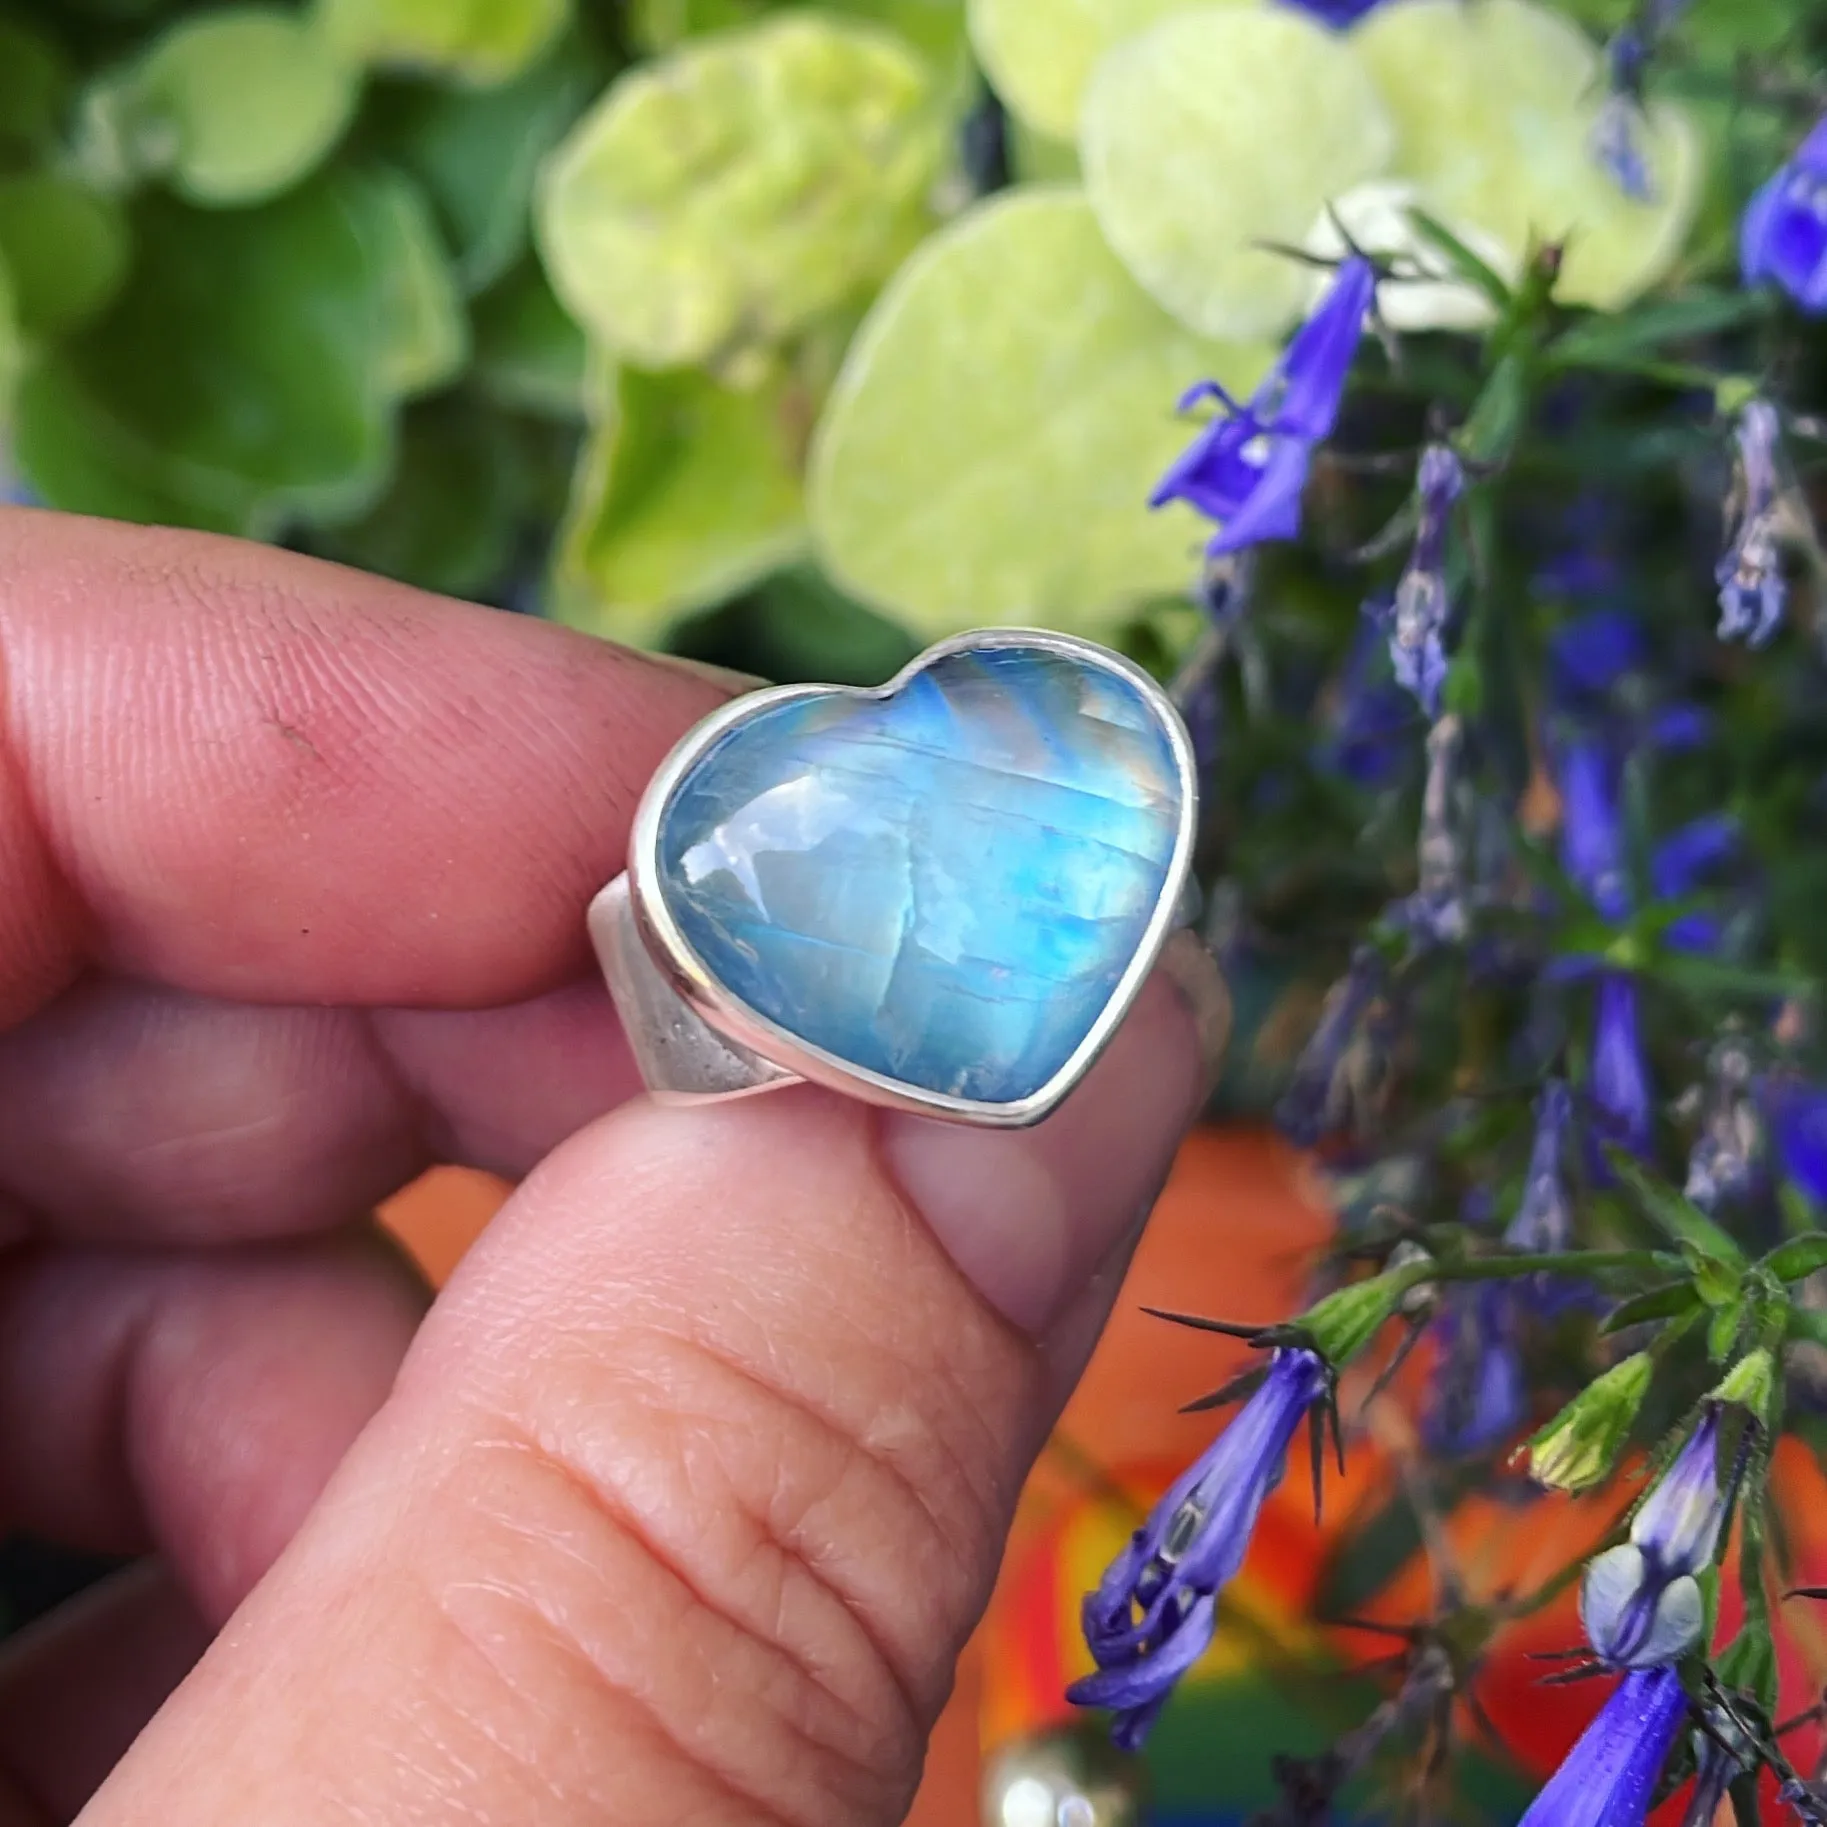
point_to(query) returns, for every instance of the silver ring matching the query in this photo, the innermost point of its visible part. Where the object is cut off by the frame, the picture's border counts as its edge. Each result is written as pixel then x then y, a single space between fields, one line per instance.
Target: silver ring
pixel 940 895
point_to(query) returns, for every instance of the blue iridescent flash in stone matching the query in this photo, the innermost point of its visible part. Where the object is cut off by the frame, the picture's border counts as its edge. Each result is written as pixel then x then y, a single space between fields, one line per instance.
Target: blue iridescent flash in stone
pixel 944 887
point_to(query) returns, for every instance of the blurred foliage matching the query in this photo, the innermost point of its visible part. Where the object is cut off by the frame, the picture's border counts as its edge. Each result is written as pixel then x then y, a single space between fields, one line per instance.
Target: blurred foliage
pixel 679 316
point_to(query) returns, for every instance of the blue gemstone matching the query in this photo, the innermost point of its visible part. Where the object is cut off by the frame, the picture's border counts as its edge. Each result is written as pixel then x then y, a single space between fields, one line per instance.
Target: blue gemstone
pixel 945 886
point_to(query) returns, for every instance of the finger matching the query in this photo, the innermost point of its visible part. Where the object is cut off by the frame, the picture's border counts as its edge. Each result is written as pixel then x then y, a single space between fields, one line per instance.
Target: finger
pixel 129 1112
pixel 694 1482
pixel 251 775
pixel 196 1403
pixel 77 1687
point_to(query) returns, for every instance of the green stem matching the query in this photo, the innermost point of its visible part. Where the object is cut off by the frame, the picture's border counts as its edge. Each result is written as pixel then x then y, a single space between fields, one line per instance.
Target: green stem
pixel 1566 1262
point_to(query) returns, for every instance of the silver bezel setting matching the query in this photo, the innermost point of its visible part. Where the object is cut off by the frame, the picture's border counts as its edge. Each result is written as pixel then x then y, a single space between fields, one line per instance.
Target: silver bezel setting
pixel 794 1059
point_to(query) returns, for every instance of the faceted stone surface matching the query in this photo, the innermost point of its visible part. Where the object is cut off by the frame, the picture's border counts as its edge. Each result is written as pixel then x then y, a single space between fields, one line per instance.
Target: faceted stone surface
pixel 944 887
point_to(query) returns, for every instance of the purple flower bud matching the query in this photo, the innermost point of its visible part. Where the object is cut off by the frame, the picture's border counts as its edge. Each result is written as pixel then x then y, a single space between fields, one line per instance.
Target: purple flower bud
pixel 1477 1399
pixel 1617 143
pixel 1436 912
pixel 1592 838
pixel 1679 1523
pixel 1683 858
pixel 1717 1768
pixel 1153 1613
pixel 1609 1777
pixel 1784 232
pixel 1640 1602
pixel 1722 1164
pixel 1620 1074
pixel 1319 1095
pixel 1676 868
pixel 1588 656
pixel 1336 13
pixel 1799 1124
pixel 1635 1616
pixel 1544 1219
pixel 1416 621
pixel 1752 591
pixel 1371 716
pixel 1247 469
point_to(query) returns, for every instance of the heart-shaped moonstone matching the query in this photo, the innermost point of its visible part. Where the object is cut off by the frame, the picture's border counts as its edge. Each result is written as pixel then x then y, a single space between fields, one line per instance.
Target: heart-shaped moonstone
pixel 945 886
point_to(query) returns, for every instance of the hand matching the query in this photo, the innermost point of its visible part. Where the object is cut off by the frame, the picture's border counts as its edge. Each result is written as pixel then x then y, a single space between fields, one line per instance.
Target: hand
pixel 677 1505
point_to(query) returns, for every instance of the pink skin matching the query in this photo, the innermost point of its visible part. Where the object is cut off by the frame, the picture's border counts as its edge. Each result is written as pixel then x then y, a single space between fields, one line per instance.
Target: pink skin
pixel 679 1502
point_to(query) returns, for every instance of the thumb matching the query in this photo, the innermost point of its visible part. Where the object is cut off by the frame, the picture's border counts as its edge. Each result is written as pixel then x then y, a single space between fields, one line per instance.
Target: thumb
pixel 694 1481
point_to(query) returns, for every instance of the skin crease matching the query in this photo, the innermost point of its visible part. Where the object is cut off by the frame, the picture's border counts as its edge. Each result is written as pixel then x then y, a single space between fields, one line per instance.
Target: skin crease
pixel 679 1502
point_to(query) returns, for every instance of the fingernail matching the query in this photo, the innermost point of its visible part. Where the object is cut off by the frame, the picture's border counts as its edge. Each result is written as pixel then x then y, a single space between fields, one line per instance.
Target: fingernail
pixel 1029 1214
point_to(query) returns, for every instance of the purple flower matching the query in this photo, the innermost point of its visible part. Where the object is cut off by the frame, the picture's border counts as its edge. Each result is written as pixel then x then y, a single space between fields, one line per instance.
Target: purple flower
pixel 1336 13
pixel 1371 716
pixel 1544 1219
pixel 1592 838
pixel 1617 146
pixel 1716 1768
pixel 1609 1778
pixel 1477 1399
pixel 1617 142
pixel 1416 621
pixel 1620 1074
pixel 1153 1613
pixel 1678 864
pixel 1617 135
pixel 1752 592
pixel 1721 1165
pixel 1799 1123
pixel 1319 1095
pixel 1784 232
pixel 1247 469
pixel 1640 1602
pixel 1589 655
pixel 1435 913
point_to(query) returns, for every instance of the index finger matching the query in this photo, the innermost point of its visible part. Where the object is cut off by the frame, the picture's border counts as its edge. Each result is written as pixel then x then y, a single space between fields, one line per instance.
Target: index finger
pixel 253 775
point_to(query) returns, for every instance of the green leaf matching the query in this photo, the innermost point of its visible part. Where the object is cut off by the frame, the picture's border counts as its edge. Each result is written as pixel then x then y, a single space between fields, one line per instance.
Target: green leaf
pixel 424 333
pixel 475 42
pixel 449 519
pixel 1440 281
pixel 729 194
pixel 1494 107
pixel 1602 342
pixel 1215 131
pixel 1669 1302
pixel 1461 257
pixel 1798 1258
pixel 986 455
pixel 235 383
pixel 1723 1329
pixel 528 354
pixel 35 85
pixel 227 108
pixel 1747 1664
pixel 476 153
pixel 1039 54
pixel 934 28
pixel 12 348
pixel 1499 413
pixel 1676 1216
pixel 687 491
pixel 65 247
